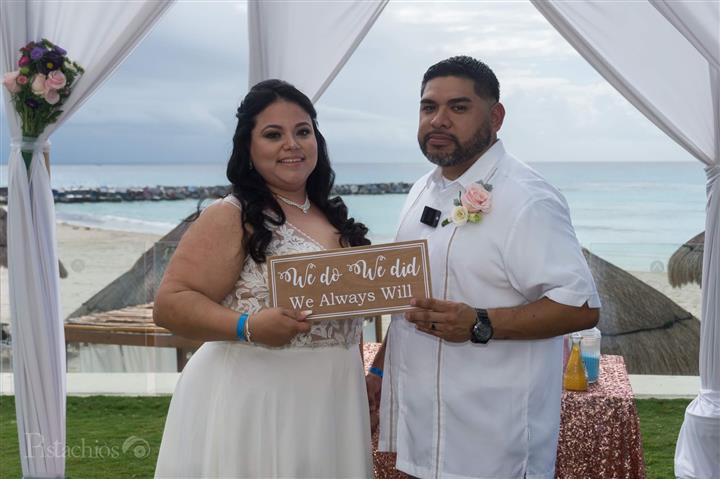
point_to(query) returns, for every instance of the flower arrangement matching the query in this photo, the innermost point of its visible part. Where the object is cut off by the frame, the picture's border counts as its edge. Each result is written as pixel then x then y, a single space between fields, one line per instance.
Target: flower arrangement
pixel 41 84
pixel 471 205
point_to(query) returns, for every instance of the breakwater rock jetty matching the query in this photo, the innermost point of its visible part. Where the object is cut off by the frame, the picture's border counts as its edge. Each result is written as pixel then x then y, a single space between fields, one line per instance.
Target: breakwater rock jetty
pixel 174 193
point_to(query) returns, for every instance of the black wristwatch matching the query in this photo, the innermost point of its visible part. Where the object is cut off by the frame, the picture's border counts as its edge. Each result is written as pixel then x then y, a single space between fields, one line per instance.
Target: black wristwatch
pixel 482 330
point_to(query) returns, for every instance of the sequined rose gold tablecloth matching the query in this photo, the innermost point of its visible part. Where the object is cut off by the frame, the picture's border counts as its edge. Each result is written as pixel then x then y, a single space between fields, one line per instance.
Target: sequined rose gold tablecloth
pixel 599 429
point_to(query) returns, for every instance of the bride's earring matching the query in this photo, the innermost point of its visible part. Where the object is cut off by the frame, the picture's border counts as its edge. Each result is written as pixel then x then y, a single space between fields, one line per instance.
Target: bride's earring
pixel 252 166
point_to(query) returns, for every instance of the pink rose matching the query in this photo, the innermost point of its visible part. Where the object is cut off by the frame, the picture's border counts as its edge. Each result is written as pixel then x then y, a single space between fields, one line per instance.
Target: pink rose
pixel 23 61
pixel 476 198
pixel 10 81
pixel 38 84
pixel 22 80
pixel 52 96
pixel 55 80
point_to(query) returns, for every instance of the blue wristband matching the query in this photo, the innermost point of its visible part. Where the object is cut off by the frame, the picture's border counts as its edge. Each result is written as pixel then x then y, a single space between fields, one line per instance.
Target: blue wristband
pixel 240 329
pixel 376 371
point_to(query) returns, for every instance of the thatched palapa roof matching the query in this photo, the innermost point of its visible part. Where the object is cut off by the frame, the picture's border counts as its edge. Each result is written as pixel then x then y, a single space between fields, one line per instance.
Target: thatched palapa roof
pixel 685 265
pixel 139 284
pixel 652 333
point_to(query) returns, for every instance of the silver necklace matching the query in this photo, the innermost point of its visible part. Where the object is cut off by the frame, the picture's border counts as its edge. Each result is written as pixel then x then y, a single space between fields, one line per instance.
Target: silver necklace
pixel 304 207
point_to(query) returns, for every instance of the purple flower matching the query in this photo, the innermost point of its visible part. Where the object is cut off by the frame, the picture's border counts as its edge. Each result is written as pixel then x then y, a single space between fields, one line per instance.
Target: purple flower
pixel 60 50
pixel 32 103
pixel 37 53
pixel 50 61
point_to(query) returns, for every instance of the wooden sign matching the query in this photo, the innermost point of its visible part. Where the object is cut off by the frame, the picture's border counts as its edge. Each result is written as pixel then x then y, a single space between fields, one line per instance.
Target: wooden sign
pixel 349 282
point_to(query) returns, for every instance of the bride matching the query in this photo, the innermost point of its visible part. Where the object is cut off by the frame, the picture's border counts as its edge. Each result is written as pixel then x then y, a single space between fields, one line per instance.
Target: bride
pixel 270 393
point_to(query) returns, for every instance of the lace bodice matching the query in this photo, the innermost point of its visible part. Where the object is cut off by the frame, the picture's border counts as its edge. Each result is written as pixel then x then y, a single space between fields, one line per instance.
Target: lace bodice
pixel 251 292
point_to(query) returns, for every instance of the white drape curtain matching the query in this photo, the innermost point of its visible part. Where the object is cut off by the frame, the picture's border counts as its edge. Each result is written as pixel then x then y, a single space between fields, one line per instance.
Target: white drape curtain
pixel 699 22
pixel 306 43
pixel 662 56
pixel 98 35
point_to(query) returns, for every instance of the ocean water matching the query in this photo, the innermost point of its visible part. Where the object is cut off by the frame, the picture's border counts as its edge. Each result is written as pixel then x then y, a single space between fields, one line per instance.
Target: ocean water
pixel 632 214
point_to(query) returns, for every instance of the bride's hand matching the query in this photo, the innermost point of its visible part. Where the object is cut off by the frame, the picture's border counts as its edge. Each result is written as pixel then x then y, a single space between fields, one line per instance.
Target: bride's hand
pixel 277 326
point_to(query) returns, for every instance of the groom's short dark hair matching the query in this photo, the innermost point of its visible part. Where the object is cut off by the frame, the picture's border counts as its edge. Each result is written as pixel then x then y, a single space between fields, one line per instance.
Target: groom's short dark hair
pixel 486 83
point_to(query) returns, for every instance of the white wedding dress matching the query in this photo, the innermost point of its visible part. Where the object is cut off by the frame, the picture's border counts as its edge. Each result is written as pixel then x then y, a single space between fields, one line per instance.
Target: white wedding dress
pixel 244 410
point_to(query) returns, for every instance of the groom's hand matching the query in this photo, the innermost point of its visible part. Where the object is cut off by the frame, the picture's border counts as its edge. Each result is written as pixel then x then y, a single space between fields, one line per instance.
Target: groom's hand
pixel 445 319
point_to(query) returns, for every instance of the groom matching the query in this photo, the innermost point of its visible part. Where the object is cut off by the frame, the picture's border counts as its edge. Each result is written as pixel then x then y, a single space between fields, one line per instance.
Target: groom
pixel 471 380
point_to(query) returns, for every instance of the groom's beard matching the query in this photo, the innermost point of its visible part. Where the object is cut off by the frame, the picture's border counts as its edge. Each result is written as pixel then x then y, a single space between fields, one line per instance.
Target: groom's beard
pixel 479 142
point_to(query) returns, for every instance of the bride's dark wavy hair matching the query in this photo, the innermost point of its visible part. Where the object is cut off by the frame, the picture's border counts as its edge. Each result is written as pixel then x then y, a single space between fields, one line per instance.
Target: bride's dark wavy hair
pixel 259 206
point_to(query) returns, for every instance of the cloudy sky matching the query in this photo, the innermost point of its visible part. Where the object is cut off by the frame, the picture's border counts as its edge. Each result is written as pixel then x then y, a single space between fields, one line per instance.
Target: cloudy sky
pixel 174 98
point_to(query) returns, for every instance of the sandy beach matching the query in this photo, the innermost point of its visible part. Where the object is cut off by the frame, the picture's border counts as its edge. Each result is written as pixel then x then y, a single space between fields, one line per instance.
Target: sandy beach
pixel 95 257
pixel 689 297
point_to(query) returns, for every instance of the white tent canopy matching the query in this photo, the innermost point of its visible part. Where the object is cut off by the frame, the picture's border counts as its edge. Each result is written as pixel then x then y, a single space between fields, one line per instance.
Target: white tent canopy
pixel 98 36
pixel 661 55
pixel 306 44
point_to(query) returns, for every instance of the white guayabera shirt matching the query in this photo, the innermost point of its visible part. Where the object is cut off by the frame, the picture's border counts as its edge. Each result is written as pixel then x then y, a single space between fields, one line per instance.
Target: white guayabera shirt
pixel 464 410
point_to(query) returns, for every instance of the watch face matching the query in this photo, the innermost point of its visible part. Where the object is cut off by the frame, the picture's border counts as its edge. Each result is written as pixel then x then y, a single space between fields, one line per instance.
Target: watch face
pixel 481 332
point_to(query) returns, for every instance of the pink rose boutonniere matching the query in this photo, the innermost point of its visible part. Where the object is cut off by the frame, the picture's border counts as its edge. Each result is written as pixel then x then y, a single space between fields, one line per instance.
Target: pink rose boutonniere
pixel 471 205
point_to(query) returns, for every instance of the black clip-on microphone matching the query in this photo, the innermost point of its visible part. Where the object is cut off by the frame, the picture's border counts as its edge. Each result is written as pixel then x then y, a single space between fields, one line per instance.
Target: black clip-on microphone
pixel 430 216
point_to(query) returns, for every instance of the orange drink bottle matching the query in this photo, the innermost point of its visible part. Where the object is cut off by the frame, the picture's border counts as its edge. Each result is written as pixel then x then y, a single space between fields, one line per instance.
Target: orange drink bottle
pixel 575 378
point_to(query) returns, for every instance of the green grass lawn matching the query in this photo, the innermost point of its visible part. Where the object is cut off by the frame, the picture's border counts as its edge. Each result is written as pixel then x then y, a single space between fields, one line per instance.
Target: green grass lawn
pixel 660 422
pixel 107 436
pixel 119 437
